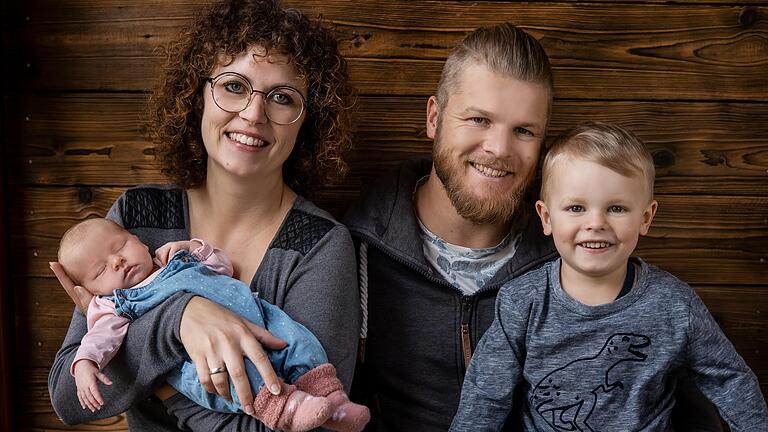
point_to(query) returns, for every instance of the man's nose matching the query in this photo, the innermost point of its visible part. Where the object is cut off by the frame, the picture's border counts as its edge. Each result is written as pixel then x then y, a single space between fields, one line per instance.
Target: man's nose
pixel 500 143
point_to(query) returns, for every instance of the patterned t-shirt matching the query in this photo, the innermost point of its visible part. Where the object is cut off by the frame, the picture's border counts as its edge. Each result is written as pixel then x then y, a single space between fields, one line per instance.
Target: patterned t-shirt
pixel 465 268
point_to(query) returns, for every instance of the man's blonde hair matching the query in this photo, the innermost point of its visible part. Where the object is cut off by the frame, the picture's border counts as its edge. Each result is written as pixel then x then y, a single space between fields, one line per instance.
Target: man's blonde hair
pixel 606 144
pixel 505 49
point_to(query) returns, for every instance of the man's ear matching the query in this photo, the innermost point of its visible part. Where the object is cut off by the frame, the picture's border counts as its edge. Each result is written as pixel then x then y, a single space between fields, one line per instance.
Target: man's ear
pixel 433 111
pixel 648 215
pixel 543 212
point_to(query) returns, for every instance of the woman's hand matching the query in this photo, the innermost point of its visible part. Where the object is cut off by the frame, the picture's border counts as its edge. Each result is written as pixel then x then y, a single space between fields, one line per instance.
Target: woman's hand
pixel 214 337
pixel 78 294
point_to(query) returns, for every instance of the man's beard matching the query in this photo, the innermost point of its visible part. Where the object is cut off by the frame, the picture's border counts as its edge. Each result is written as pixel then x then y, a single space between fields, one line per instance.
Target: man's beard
pixel 497 208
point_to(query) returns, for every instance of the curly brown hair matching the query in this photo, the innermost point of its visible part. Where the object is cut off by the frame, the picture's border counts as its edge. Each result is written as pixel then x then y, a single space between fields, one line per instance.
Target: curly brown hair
pixel 230 28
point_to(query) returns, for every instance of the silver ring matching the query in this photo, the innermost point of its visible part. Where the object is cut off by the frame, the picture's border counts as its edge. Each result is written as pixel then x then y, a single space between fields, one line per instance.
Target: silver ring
pixel 218 370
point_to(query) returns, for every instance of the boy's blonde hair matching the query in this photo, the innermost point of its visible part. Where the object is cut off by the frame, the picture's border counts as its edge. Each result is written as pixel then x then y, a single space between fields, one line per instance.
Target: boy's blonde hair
pixel 606 144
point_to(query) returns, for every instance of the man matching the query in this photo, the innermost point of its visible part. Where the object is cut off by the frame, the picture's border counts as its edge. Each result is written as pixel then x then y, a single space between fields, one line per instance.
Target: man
pixel 438 239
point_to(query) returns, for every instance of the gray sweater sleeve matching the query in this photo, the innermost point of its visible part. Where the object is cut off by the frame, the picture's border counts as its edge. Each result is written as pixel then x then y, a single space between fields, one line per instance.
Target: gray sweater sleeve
pixel 151 349
pixel 721 373
pixel 496 367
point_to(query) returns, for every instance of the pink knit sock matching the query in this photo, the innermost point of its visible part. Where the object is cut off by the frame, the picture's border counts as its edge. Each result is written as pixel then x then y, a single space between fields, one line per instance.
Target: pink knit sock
pixel 347 416
pixel 291 409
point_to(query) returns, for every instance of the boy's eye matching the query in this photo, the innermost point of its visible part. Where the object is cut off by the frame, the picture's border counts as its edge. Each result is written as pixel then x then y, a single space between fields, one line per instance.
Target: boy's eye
pixel 616 209
pixel 575 209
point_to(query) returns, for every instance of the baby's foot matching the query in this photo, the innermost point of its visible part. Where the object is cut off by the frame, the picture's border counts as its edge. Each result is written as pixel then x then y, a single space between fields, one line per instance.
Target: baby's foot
pixel 303 412
pixel 347 416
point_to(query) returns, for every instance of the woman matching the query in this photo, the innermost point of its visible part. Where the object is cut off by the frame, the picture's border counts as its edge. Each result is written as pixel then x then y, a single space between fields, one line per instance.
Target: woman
pixel 252 111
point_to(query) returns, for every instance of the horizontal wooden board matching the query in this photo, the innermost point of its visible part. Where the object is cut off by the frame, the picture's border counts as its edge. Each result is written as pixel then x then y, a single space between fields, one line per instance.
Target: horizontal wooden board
pixel 701 147
pixel 742 313
pixel 599 51
pixel 702 239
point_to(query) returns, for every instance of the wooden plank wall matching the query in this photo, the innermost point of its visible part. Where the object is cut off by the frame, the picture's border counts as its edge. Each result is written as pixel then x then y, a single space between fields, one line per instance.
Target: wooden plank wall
pixel 689 77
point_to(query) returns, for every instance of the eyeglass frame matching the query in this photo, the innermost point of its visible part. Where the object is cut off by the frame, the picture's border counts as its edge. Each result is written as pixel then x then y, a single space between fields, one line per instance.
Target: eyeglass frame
pixel 264 94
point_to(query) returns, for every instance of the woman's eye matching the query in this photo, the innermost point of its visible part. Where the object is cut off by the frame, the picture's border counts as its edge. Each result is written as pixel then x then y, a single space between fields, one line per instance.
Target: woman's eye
pixel 282 99
pixel 234 87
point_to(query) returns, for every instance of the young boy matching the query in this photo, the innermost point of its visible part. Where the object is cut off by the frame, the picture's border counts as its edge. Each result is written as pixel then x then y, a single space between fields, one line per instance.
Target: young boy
pixel 118 270
pixel 594 340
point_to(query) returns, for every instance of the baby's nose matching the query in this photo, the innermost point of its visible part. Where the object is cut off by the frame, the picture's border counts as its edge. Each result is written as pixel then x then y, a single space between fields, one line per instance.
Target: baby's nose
pixel 117 262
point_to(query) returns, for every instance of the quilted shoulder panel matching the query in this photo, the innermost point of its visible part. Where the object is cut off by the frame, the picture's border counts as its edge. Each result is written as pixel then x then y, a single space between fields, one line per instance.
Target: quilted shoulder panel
pixel 301 231
pixel 153 208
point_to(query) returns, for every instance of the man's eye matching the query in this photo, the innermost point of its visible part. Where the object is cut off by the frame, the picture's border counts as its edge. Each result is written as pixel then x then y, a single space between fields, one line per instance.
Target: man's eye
pixel 524 131
pixel 481 121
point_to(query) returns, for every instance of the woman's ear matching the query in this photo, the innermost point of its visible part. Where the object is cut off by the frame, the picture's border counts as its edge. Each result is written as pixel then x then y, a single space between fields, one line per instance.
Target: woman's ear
pixel 543 211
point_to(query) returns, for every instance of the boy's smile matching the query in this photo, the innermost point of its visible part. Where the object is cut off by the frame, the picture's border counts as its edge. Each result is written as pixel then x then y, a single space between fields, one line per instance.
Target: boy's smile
pixel 595 216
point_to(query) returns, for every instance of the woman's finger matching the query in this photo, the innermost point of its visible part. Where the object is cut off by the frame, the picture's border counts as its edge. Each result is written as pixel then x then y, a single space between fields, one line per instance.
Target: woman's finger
pixel 254 351
pixel 218 371
pixel 203 373
pixel 239 378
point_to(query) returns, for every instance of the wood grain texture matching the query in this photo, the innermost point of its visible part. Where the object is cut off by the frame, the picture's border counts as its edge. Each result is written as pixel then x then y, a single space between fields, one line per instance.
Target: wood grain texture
pixel 644 51
pixel 690 78
pixel 100 139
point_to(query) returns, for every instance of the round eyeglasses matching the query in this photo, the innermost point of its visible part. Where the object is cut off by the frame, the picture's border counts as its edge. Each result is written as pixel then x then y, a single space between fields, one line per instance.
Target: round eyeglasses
pixel 233 93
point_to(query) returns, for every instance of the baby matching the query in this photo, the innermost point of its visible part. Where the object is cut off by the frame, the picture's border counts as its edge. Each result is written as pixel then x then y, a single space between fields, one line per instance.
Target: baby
pixel 117 268
pixel 596 339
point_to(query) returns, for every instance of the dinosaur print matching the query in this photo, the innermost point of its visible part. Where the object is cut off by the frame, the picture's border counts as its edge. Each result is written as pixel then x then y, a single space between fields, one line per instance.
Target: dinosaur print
pixel 566 397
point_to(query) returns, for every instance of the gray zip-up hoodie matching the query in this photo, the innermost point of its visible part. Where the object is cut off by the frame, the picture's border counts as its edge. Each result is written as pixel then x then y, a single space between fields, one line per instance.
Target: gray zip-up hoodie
pixel 420 329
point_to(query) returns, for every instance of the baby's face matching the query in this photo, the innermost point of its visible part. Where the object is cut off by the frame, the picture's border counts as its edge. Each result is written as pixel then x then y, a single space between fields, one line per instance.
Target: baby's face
pixel 595 216
pixel 110 258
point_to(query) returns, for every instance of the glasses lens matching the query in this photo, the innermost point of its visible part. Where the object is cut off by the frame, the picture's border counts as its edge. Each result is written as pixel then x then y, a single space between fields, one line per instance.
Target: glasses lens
pixel 284 105
pixel 231 92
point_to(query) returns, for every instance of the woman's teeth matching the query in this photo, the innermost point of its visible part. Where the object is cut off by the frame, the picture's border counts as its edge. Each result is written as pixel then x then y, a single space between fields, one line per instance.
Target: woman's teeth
pixel 247 140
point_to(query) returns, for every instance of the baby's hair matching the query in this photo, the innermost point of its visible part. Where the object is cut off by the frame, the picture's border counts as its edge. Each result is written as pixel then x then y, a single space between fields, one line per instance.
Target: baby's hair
pixel 606 144
pixel 74 236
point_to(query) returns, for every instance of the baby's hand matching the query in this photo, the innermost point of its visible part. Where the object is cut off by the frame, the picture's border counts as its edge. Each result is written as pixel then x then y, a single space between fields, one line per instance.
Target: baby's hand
pixel 165 252
pixel 87 377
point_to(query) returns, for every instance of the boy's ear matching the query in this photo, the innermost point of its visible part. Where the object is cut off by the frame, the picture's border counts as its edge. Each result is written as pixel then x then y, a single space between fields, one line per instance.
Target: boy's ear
pixel 648 215
pixel 433 111
pixel 543 212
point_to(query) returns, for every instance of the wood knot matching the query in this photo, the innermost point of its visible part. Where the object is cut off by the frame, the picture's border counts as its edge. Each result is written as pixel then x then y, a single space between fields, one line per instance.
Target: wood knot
pixel 663 158
pixel 85 195
pixel 748 17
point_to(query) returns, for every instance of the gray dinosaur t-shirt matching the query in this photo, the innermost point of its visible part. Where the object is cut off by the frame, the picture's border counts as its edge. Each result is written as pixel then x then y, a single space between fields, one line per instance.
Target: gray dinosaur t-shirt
pixel 610 367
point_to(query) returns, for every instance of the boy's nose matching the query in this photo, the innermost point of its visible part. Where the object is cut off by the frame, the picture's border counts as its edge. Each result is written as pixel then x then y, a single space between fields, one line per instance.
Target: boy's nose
pixel 596 221
pixel 117 262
